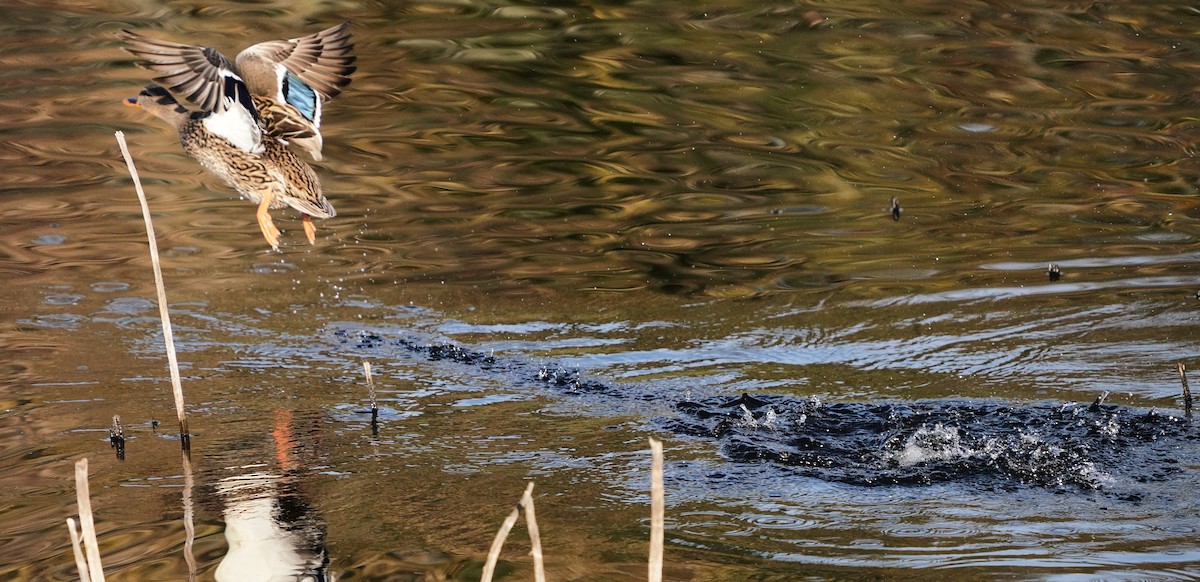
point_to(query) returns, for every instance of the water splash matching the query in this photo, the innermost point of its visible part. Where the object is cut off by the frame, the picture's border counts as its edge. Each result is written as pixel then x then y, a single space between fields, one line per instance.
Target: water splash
pixel 988 443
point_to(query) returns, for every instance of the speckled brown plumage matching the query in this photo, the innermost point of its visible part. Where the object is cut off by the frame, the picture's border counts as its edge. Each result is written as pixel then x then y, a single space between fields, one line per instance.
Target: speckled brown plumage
pixel 270 172
pixel 245 123
pixel 276 169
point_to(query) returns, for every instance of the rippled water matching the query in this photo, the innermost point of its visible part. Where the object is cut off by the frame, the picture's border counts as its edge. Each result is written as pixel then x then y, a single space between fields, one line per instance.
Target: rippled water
pixel 564 228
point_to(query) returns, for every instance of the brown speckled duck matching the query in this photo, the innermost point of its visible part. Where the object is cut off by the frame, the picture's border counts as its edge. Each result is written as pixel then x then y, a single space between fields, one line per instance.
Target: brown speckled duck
pixel 250 111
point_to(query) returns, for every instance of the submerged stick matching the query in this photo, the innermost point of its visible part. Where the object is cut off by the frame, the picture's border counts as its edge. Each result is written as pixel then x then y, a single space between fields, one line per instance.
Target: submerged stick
pixel 535 537
pixel 1187 391
pixel 77 549
pixel 185 436
pixel 657 510
pixel 489 567
pixel 83 497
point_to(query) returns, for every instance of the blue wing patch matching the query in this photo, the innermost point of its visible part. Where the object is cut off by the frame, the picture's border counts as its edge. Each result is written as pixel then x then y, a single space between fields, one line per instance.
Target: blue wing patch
pixel 300 96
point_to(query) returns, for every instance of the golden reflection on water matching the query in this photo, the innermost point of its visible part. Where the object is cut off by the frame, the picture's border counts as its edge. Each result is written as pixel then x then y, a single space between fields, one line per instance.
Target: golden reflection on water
pixel 696 195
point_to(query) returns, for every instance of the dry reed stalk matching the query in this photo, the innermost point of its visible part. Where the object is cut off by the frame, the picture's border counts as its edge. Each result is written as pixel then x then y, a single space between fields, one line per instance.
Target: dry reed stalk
pixel 371 388
pixel 1187 391
pixel 84 498
pixel 77 549
pixel 489 567
pixel 657 510
pixel 535 536
pixel 374 405
pixel 185 436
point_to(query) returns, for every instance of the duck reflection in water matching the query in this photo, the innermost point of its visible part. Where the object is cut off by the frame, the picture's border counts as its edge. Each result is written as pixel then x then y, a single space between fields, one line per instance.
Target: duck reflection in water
pixel 250 112
pixel 273 533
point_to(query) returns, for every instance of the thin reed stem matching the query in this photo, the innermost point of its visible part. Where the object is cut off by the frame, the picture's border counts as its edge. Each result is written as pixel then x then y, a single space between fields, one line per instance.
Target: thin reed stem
pixel 77 549
pixel 657 510
pixel 1187 391
pixel 371 393
pixel 370 385
pixel 535 536
pixel 84 498
pixel 168 335
pixel 489 567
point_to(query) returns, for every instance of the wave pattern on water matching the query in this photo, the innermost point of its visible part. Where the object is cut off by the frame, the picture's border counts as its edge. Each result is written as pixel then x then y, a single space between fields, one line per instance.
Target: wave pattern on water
pixel 989 444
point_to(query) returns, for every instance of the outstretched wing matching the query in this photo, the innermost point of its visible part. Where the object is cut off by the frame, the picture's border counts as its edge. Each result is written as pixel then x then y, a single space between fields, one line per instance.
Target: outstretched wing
pixel 200 74
pixel 321 62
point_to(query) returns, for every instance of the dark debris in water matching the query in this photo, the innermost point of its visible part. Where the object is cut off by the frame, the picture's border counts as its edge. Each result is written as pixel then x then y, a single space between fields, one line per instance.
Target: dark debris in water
pixel 991 444
pixel 440 351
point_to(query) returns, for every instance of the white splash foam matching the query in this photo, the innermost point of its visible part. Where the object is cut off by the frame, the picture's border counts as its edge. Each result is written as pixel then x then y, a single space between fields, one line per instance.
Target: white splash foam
pixel 770 419
pixel 936 443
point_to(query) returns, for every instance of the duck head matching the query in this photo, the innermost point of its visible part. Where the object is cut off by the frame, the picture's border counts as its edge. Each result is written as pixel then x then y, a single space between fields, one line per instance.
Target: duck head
pixel 161 103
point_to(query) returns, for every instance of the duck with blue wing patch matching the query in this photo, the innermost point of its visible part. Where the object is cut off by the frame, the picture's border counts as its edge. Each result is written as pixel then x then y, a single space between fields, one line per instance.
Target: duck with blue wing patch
pixel 250 110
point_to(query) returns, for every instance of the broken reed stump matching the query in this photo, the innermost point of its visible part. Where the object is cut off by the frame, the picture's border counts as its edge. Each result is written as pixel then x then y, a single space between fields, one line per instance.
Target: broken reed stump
pixel 535 536
pixel 116 437
pixel 185 436
pixel 657 520
pixel 657 511
pixel 88 562
pixel 493 553
pixel 77 549
pixel 371 394
pixel 1187 391
pixel 489 567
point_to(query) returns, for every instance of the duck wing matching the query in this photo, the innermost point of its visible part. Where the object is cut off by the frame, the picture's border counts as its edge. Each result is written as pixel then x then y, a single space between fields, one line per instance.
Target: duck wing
pixel 292 78
pixel 200 74
pixel 319 63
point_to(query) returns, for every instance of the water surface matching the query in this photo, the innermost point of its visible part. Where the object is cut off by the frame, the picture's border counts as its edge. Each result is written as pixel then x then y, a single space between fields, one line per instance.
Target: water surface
pixel 610 221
